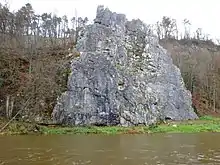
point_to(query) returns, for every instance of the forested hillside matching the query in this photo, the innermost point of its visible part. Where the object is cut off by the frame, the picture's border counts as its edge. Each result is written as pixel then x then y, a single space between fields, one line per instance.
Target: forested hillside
pixel 198 57
pixel 34 60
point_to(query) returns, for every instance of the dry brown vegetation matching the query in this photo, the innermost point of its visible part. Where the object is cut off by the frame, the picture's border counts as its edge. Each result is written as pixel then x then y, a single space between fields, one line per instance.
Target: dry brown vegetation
pixel 198 58
pixel 33 60
pixel 200 67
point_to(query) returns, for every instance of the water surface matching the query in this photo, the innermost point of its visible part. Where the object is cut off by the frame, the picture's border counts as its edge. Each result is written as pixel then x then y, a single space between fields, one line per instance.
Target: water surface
pixel 171 149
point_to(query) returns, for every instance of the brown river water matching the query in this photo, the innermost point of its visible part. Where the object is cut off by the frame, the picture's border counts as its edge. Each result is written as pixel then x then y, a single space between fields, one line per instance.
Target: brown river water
pixel 156 149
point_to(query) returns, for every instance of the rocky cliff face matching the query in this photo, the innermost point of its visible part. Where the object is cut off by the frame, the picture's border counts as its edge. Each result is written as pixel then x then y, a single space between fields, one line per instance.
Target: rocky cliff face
pixel 122 77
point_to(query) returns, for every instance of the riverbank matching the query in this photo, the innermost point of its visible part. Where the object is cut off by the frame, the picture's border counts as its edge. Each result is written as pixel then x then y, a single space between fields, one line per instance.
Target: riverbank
pixel 204 124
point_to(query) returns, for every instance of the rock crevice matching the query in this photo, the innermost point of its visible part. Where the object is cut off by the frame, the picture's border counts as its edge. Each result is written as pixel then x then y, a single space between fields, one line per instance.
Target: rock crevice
pixel 122 77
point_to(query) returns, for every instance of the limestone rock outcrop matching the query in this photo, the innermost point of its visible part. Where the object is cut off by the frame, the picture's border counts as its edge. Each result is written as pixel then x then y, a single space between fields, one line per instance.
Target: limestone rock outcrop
pixel 122 77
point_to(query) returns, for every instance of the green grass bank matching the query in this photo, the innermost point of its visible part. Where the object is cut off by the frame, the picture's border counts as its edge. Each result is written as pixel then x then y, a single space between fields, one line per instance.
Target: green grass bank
pixel 204 124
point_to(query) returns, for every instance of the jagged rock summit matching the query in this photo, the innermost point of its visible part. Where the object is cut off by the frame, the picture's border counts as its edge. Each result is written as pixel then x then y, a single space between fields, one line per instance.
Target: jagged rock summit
pixel 122 77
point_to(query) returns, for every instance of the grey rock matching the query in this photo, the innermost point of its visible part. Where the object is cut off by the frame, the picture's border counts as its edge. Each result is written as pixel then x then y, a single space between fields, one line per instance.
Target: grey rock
pixel 122 77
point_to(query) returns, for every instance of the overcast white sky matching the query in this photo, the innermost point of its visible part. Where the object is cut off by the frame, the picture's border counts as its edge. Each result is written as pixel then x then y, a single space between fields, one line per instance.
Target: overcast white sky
pixel 201 13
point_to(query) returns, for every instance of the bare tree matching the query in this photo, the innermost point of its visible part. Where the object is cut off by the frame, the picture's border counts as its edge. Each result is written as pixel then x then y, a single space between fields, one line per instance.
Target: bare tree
pixel 187 25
